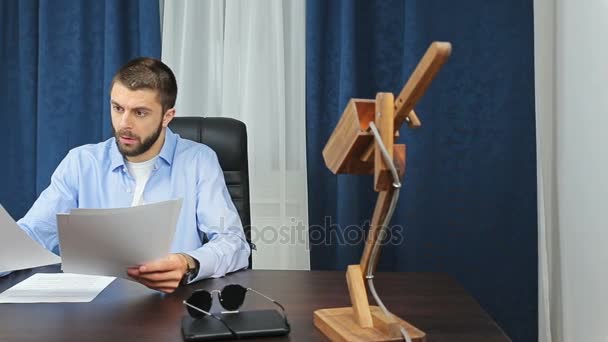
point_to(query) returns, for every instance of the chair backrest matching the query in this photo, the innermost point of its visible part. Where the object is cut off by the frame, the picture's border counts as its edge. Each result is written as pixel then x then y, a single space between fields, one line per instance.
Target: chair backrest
pixel 228 138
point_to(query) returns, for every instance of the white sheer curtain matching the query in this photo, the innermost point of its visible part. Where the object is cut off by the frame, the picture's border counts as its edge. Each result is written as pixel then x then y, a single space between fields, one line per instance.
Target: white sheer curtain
pixel 549 298
pixel 246 60
pixel 571 101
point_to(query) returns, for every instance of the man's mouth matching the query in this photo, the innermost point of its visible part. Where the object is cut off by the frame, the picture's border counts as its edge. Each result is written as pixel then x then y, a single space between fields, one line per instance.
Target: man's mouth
pixel 127 140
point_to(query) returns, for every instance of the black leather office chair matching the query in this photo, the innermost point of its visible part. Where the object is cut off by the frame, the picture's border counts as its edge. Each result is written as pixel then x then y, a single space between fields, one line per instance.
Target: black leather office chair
pixel 228 138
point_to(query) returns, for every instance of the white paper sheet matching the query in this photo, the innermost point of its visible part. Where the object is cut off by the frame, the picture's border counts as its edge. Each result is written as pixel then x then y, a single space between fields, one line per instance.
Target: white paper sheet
pixel 56 288
pixel 108 241
pixel 17 250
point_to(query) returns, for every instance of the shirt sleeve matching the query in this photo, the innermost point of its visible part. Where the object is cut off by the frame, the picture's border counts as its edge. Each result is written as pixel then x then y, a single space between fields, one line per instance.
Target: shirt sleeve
pixel 40 222
pixel 227 249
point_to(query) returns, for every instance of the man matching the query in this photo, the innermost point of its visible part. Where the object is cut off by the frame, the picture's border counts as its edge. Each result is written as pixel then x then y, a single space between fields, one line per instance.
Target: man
pixel 145 163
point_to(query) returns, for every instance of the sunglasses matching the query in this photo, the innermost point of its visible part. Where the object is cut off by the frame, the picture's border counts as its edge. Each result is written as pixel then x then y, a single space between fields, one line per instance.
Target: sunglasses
pixel 231 298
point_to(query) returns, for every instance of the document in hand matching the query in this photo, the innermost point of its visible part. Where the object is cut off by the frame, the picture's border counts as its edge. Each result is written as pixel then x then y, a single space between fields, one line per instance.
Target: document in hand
pixel 108 241
pixel 17 250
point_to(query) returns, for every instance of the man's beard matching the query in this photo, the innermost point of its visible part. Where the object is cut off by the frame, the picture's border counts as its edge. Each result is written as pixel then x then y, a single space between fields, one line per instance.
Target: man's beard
pixel 143 146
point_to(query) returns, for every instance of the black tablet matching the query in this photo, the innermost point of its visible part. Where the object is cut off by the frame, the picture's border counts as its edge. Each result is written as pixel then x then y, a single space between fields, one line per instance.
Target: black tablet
pixel 255 323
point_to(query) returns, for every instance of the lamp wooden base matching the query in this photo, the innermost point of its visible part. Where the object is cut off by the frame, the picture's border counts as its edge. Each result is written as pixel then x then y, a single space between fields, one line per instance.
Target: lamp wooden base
pixel 338 324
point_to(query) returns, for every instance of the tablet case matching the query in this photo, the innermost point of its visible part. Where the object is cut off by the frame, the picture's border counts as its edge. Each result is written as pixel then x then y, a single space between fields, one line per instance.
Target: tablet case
pixel 254 323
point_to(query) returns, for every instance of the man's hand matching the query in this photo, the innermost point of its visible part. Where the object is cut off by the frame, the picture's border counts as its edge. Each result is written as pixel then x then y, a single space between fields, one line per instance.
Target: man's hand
pixel 162 275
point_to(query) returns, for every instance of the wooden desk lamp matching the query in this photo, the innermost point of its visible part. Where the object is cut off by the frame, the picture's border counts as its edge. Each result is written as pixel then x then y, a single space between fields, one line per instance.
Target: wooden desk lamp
pixel 351 149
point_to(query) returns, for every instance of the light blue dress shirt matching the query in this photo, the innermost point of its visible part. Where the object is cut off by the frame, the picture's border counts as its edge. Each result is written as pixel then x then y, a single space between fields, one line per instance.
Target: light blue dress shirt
pixel 95 176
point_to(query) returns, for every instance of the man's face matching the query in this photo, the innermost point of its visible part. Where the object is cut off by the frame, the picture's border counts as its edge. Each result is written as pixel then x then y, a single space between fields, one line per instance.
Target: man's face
pixel 137 120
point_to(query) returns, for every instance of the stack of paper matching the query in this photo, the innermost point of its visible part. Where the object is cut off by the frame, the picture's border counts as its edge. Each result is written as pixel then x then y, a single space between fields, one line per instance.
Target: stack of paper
pixel 56 288
pixel 93 241
pixel 108 241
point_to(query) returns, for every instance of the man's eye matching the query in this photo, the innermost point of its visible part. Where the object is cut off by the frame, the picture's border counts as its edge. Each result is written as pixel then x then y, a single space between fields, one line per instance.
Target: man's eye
pixel 140 113
pixel 116 108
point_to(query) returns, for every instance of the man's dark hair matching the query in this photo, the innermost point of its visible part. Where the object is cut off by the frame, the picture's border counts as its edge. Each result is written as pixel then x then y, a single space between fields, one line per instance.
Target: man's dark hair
pixel 149 73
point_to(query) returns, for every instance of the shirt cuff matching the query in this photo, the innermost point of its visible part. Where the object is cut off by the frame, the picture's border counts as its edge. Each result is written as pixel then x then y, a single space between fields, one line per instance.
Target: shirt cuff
pixel 207 263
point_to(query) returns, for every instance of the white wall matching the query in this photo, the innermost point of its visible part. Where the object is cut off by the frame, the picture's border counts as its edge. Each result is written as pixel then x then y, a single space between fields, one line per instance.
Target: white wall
pixel 577 157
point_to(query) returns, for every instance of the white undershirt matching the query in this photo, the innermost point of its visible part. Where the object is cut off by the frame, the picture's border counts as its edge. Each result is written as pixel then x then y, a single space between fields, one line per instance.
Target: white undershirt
pixel 141 173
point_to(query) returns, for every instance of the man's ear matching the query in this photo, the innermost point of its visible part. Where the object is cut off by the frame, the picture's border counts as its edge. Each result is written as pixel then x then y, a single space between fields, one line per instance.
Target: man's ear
pixel 168 116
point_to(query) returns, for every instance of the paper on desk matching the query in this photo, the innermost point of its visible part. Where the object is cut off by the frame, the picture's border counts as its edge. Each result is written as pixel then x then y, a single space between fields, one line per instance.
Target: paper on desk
pixel 108 241
pixel 56 288
pixel 17 250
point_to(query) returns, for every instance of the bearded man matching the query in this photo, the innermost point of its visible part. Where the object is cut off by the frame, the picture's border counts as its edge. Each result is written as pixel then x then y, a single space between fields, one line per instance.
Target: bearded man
pixel 145 163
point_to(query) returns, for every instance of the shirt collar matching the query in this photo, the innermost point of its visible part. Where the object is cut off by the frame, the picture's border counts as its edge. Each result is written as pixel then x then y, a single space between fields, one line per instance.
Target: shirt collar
pixel 166 152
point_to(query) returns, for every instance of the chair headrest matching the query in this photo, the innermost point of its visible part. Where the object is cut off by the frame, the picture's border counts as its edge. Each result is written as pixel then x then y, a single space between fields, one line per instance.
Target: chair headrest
pixel 226 136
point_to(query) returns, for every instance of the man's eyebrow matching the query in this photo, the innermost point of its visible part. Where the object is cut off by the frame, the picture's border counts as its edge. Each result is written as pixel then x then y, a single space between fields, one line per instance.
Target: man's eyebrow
pixel 142 108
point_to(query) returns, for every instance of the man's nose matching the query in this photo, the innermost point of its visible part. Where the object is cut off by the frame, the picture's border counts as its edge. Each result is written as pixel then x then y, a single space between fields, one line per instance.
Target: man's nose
pixel 126 120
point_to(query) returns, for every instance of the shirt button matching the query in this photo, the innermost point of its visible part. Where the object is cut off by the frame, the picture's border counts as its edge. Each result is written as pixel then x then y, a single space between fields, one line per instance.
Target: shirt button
pixel 128 190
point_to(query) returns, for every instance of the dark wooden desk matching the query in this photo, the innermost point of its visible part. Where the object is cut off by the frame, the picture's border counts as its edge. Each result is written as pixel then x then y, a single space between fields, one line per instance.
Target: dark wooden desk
pixel 126 311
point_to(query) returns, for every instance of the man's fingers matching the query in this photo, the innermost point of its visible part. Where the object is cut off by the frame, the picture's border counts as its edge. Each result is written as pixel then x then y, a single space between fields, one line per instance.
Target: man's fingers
pixel 167 289
pixel 164 286
pixel 168 263
pixel 133 272
pixel 160 285
pixel 161 276
pixel 161 265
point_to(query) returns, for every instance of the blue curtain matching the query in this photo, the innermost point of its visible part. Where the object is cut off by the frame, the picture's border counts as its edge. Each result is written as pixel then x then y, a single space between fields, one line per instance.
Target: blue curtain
pixel 468 204
pixel 57 60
